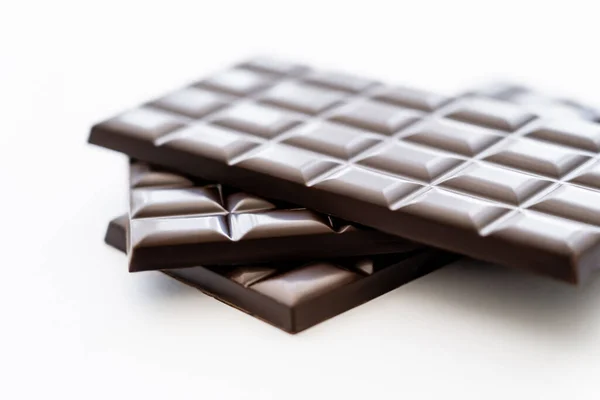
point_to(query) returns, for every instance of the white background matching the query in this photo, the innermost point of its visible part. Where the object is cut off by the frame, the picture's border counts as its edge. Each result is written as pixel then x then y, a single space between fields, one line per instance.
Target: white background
pixel 75 325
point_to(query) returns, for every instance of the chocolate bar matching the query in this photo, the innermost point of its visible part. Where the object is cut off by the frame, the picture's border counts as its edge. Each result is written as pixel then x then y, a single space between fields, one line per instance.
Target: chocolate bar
pixel 294 296
pixel 179 222
pixel 473 175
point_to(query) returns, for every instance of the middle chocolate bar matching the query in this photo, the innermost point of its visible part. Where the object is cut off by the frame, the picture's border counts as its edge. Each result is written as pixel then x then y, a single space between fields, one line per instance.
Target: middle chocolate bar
pixel 176 221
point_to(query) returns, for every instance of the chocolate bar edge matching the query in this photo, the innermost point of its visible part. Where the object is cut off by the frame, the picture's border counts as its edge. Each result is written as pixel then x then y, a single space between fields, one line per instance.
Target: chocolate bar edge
pixel 229 253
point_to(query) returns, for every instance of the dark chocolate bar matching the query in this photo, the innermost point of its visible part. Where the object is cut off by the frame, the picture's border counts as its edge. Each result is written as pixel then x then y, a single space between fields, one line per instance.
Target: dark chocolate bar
pixel 178 222
pixel 477 176
pixel 296 296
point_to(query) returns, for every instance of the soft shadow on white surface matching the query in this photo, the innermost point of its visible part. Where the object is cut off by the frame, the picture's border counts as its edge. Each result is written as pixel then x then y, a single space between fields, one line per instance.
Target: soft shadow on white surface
pixel 530 302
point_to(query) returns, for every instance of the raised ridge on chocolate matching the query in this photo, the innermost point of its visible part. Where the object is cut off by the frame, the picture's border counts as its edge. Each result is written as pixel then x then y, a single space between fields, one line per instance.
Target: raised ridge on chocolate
pixel 179 222
pixel 294 296
pixel 474 175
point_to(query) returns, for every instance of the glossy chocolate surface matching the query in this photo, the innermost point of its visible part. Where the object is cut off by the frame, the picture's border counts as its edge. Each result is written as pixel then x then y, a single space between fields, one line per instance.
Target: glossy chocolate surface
pixel 474 175
pixel 178 222
pixel 294 296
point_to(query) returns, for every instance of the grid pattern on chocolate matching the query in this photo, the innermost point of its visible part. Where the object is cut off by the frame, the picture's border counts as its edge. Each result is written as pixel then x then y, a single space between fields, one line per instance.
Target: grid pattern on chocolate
pixel 168 210
pixel 473 165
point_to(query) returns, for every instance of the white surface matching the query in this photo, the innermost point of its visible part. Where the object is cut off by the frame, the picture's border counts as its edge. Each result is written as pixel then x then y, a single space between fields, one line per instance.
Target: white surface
pixel 75 325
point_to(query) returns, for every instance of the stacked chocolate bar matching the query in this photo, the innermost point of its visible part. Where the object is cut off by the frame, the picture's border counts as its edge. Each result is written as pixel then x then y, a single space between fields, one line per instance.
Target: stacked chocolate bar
pixel 242 185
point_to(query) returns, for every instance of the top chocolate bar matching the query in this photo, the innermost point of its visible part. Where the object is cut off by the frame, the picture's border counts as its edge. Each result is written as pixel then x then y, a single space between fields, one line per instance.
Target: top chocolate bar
pixel 473 175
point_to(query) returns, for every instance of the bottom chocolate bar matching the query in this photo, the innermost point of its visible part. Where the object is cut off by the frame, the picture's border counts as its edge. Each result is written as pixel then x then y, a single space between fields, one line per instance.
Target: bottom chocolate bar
pixel 296 296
